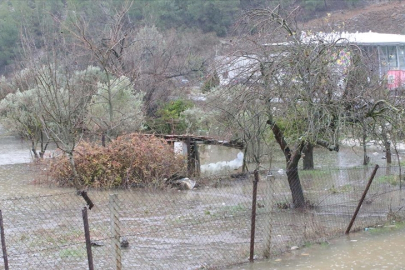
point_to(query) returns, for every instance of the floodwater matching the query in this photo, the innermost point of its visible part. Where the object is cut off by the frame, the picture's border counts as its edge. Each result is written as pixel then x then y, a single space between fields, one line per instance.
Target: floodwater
pixel 13 150
pixel 17 175
pixel 375 249
pixel 221 160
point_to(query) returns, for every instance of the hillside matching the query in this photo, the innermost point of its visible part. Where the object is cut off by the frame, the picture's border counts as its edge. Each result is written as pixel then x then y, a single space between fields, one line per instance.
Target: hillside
pixel 387 17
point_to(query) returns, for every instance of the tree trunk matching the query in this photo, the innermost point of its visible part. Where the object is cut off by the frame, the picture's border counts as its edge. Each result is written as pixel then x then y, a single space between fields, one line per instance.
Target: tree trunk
pixel 76 181
pixel 366 159
pixel 33 148
pixel 399 166
pixel 308 159
pixel 388 152
pixel 295 186
pixel 292 159
pixel 387 144
pixel 43 146
pixel 244 166
pixel 103 139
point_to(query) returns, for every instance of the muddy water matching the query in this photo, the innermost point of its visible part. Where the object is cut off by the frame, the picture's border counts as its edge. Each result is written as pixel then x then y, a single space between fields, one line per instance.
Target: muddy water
pixel 374 249
pixel 216 159
pixel 13 150
pixel 17 175
pixel 367 250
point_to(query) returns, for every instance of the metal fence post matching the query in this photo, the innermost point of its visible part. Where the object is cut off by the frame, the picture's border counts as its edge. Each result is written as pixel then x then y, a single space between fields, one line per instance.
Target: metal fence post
pixel 87 236
pixel 115 230
pixel 362 199
pixel 268 204
pixel 253 222
pixel 3 242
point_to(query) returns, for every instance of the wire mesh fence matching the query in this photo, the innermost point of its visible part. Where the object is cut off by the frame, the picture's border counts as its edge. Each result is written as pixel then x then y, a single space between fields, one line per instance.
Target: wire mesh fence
pixel 207 227
pixel 332 197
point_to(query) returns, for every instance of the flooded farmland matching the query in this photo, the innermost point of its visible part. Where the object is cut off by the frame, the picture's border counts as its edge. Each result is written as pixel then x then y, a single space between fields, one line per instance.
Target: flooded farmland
pixel 206 227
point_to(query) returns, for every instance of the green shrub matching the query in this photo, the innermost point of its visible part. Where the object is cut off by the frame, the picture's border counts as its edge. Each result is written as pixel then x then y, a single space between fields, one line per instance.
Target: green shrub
pixel 169 118
pixel 130 160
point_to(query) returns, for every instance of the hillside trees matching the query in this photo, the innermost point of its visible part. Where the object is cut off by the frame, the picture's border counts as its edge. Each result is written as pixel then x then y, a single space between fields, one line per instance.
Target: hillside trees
pixel 208 16
pixel 23 17
pixel 195 16
pixel 154 62
pixel 8 34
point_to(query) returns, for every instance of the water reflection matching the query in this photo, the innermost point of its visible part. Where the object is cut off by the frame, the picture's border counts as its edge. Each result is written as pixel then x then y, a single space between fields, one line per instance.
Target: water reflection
pixel 219 159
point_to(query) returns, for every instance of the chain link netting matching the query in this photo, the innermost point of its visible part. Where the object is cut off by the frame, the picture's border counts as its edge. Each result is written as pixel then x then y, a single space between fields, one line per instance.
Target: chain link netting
pixel 331 199
pixel 207 227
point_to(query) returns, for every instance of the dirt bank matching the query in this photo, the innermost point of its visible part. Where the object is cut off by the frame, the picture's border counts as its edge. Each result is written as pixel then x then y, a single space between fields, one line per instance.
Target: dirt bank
pixel 388 17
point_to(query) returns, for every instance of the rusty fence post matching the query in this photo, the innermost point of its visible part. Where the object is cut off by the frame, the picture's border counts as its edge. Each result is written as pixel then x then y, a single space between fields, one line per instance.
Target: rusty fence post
pixel 90 204
pixel 87 236
pixel 3 242
pixel 115 231
pixel 362 199
pixel 253 221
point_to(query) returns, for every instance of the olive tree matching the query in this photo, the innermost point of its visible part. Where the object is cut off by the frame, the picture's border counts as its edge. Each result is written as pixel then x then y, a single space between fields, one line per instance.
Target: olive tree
pixel 62 93
pixel 127 107
pixel 20 113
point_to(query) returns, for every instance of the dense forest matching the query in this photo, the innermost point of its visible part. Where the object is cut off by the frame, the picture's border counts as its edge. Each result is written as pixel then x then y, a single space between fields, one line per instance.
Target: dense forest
pixel 214 16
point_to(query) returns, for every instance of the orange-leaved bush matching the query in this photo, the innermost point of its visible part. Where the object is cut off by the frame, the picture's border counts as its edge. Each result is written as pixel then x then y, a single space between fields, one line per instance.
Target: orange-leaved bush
pixel 129 160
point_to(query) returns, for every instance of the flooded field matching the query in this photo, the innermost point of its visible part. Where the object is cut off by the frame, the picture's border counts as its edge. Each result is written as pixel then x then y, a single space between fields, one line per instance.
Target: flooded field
pixel 380 248
pixel 206 227
pixel 13 150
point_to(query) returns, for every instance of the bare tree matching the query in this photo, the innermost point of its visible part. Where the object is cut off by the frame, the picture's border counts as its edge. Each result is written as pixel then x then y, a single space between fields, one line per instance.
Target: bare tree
pixel 241 114
pixel 299 85
pixel 308 95
pixel 105 46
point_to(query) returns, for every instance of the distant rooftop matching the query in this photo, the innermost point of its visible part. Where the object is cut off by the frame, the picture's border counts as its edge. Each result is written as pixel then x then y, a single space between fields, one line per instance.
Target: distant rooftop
pixel 367 38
